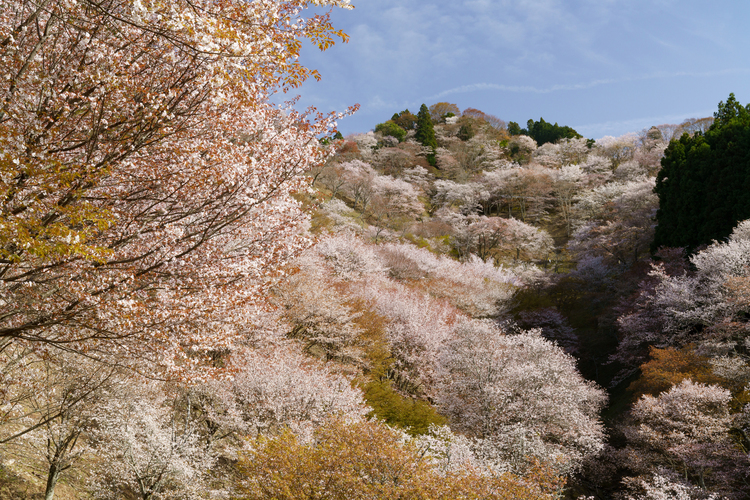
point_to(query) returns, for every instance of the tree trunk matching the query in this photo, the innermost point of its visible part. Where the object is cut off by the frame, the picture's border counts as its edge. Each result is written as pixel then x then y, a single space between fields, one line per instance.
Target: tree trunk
pixel 54 474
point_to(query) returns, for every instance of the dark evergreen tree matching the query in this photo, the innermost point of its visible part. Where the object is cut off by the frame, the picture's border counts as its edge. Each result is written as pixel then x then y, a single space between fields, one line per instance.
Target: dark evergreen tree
pixel 543 132
pixel 426 132
pixel 704 182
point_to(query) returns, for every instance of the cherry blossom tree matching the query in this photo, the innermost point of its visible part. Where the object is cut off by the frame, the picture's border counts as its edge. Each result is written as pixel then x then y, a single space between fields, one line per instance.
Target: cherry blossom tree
pixel 631 170
pixel 151 448
pixel 478 288
pixel 548 155
pixel 676 308
pixel 530 188
pixel 145 172
pixel 456 195
pixel 274 389
pixel 573 151
pixel 48 428
pixel 418 328
pixel 650 151
pixel 332 178
pixel 356 177
pixel 615 221
pixel 661 488
pixel 497 186
pixel 597 168
pixel 566 183
pixel 641 321
pixel 522 147
pixel 686 430
pixel 366 143
pixel 349 257
pixel 393 161
pixel 504 239
pixel 521 395
pixel 395 203
pixel 318 313
pixel 617 149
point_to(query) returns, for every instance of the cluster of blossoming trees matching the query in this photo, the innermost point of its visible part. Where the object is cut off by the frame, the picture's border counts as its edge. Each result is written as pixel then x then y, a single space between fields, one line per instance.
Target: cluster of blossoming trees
pixel 199 300
pixel 678 324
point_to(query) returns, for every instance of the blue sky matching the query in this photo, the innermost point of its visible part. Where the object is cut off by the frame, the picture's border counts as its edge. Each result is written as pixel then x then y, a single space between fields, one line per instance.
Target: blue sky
pixel 604 67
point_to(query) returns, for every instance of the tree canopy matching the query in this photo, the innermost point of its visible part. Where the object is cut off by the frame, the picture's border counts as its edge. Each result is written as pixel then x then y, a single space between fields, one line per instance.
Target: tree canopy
pixel 426 132
pixel 704 182
pixel 543 132
pixel 145 173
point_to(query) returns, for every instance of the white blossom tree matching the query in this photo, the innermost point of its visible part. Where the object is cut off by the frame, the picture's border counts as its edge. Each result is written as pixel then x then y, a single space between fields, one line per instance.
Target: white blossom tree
pixel 151 447
pixel 686 431
pixel 318 313
pixel 615 221
pixel 274 389
pixel 521 395
pixel 53 404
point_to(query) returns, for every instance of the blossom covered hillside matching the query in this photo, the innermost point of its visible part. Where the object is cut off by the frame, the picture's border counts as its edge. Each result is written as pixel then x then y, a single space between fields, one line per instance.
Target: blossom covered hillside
pixel 205 294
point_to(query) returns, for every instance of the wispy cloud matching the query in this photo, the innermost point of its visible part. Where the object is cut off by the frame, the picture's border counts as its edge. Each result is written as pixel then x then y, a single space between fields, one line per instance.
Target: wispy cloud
pixel 585 85
pixel 613 127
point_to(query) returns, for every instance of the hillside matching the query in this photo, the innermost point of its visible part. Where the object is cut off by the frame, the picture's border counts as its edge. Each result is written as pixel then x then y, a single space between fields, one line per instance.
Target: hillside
pixel 205 294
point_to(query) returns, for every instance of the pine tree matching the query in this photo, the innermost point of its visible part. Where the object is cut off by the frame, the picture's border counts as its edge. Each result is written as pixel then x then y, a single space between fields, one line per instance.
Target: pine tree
pixel 426 132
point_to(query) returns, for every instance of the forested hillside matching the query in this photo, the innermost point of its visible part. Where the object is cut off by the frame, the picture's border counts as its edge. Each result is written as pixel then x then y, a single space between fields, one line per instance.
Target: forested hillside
pixel 207 295
pixel 569 223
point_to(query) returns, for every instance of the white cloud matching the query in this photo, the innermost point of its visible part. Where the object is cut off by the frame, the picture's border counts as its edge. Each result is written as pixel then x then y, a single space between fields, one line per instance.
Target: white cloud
pixel 584 85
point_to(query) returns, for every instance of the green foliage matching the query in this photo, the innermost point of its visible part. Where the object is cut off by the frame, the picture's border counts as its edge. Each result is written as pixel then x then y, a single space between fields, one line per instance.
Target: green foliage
pixel 426 132
pixel 543 132
pixel 704 183
pixel 387 405
pixel 391 128
pixel 418 241
pixel 405 119
pixel 466 131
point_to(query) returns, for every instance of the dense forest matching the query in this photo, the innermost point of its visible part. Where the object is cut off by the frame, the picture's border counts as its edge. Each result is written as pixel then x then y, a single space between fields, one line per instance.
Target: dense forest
pixel 204 294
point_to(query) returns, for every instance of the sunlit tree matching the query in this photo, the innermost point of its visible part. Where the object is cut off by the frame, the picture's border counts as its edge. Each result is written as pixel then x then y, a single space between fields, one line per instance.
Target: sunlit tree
pixel 145 174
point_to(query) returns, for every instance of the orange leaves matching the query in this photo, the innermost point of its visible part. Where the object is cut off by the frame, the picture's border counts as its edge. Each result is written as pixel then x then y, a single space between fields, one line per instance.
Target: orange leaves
pixel 668 367
pixel 739 289
pixel 366 460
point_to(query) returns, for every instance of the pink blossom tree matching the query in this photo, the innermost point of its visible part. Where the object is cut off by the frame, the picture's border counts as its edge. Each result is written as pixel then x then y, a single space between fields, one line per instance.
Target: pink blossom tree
pixel 147 181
